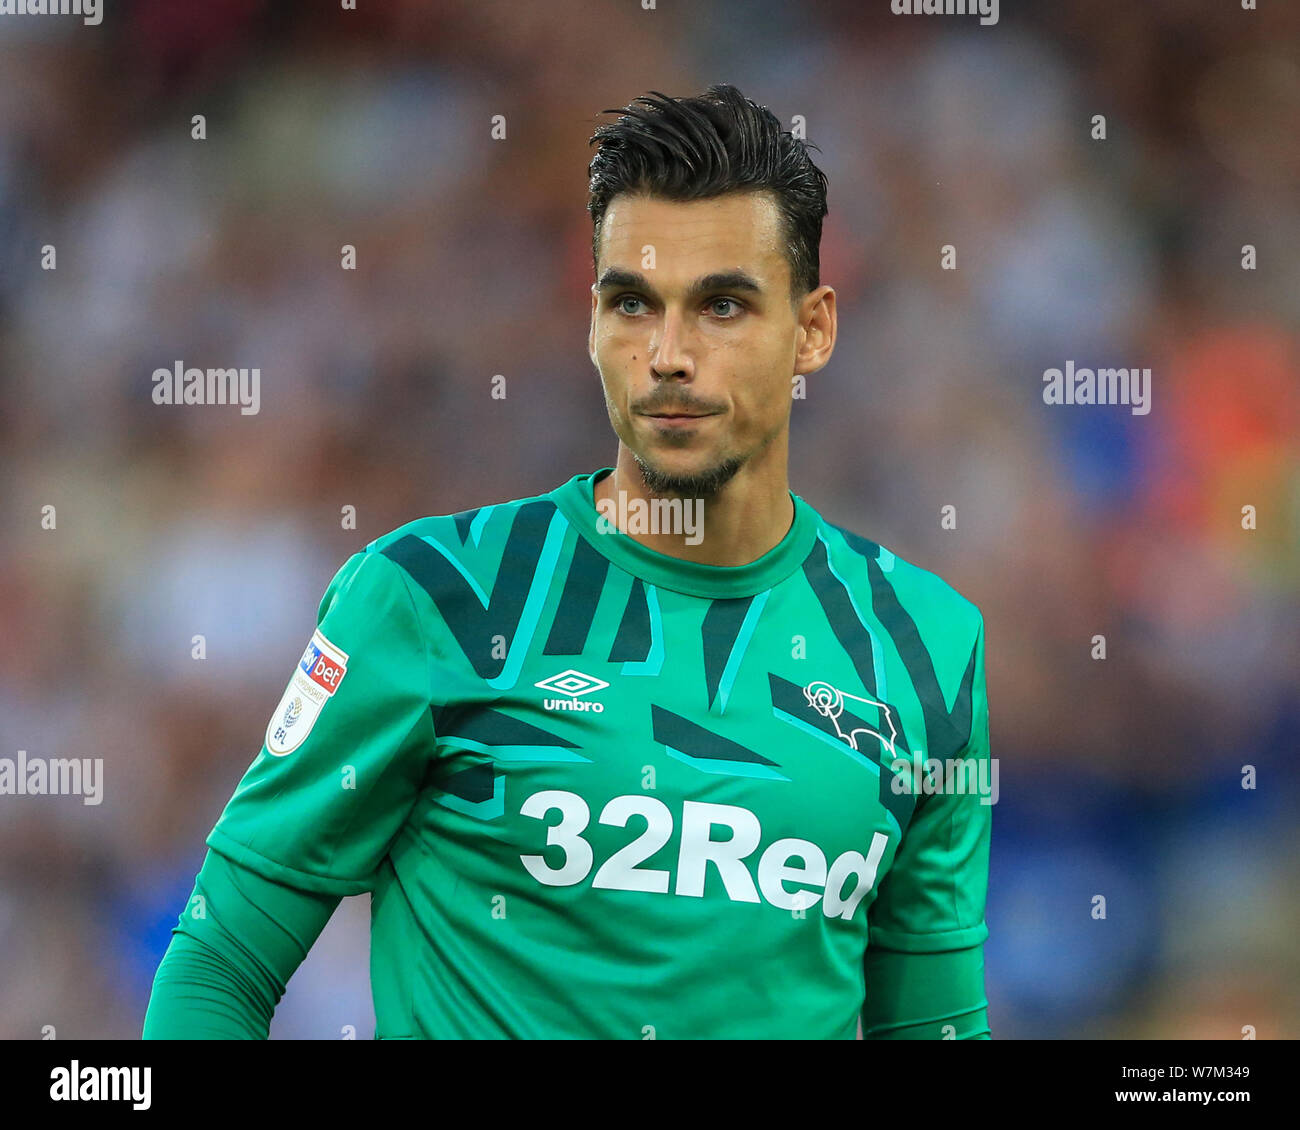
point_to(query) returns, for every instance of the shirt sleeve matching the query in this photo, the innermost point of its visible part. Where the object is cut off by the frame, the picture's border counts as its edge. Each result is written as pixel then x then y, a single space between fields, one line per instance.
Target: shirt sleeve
pixel 932 899
pixel 346 748
pixel 925 996
pixel 232 952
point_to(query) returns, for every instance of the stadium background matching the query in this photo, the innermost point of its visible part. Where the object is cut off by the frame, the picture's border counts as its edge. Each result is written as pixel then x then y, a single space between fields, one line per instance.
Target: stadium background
pixel 1119 777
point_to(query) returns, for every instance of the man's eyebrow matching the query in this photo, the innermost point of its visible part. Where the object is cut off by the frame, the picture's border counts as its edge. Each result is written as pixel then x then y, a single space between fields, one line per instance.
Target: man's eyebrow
pixel 719 280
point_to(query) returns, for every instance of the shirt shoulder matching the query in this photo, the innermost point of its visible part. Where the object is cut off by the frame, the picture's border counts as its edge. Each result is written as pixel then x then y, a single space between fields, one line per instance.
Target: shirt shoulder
pixel 469 574
pixel 466 529
pixel 884 576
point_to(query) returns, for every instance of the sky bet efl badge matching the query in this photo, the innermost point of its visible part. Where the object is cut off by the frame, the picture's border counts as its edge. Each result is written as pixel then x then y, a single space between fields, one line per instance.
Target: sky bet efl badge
pixel 319 674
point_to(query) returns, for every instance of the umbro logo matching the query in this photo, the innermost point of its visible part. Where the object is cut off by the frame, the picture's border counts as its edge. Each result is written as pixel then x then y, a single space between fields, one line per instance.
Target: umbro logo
pixel 573 684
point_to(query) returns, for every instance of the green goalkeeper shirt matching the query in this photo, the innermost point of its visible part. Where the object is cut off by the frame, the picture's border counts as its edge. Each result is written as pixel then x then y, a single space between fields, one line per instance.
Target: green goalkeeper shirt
pixel 602 792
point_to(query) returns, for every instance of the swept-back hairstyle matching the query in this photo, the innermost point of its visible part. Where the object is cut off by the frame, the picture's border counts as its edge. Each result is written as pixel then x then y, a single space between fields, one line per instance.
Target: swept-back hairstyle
pixel 715 143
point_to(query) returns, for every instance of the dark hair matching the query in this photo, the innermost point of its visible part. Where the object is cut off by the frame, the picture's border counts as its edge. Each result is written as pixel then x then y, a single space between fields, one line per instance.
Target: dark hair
pixel 714 143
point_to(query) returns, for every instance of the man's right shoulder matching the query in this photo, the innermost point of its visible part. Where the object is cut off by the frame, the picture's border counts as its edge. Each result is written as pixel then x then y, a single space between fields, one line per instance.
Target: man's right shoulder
pixel 453 563
pixel 463 529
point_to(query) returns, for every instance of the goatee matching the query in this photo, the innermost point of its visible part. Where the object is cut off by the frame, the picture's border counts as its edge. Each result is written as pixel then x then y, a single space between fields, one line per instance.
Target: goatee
pixel 704 484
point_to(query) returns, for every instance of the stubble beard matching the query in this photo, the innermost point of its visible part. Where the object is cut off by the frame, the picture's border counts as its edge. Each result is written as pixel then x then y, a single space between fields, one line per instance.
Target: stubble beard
pixel 702 484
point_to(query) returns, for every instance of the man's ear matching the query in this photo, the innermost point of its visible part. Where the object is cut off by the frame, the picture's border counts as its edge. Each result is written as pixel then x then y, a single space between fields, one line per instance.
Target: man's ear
pixel 591 334
pixel 819 324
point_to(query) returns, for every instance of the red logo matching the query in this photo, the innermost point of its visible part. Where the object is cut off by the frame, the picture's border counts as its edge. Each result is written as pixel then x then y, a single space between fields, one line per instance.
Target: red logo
pixel 327 674
pixel 324 664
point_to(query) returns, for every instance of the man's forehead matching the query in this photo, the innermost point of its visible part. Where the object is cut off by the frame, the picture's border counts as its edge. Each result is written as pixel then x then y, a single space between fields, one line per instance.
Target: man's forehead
pixel 735 230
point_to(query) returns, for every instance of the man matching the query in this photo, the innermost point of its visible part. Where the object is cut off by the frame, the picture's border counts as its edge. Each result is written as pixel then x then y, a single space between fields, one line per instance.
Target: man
pixel 635 758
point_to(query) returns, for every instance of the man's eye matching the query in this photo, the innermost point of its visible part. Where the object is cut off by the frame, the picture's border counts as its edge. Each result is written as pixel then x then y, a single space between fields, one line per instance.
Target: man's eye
pixel 731 303
pixel 619 303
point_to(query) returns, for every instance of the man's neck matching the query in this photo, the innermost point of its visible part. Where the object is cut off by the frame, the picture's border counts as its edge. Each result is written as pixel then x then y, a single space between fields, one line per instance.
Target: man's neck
pixel 747 518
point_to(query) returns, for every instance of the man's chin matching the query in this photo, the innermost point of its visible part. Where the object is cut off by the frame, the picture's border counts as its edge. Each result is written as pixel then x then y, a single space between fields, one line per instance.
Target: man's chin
pixel 688 479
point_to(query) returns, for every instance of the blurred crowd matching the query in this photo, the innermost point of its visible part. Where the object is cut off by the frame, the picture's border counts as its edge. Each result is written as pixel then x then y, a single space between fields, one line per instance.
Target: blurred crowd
pixel 1120 776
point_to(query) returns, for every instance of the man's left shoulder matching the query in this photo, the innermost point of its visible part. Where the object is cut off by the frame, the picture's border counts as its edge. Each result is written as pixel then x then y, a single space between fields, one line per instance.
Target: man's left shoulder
pixel 895 584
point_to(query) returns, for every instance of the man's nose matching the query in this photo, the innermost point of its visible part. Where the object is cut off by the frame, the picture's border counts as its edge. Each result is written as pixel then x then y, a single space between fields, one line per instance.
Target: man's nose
pixel 670 356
